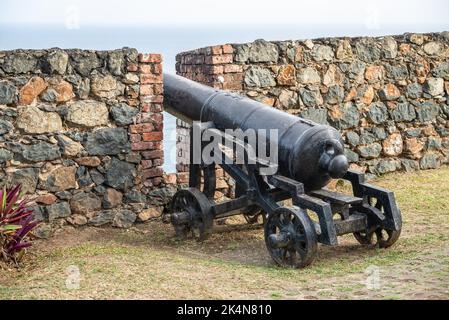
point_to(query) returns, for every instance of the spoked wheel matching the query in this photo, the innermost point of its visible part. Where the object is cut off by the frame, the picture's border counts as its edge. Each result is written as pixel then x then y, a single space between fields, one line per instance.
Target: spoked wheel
pixel 191 213
pixel 378 237
pixel 290 238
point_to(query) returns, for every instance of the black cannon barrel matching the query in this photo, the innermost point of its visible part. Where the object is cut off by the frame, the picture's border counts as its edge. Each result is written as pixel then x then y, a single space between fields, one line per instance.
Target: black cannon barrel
pixel 308 152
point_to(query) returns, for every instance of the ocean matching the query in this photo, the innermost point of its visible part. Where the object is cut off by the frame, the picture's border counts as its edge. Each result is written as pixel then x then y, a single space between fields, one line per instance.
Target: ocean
pixel 172 39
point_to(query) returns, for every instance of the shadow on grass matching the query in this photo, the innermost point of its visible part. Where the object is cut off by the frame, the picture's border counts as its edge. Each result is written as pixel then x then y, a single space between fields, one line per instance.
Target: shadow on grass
pixel 244 247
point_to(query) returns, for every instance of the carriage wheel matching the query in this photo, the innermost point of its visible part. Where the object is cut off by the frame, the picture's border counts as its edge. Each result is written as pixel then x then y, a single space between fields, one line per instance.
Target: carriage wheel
pixel 290 237
pixel 383 238
pixel 191 213
pixel 258 218
pixel 378 237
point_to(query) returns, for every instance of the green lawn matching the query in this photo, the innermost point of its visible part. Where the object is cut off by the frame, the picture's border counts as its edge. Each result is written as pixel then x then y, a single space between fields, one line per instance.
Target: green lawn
pixel 147 262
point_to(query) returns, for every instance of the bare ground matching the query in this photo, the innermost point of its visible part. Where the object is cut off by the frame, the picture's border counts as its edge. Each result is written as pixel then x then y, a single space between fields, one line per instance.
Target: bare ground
pixel 148 263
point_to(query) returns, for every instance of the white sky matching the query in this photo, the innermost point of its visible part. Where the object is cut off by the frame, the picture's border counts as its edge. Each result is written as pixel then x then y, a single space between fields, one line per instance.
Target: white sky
pixel 138 12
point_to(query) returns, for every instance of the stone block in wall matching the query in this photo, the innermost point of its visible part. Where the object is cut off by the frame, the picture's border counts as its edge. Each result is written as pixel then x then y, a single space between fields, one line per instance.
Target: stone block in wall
pixel 19 63
pixel 32 120
pixel 259 77
pixel 67 122
pixel 378 91
pixel 87 113
pixel 33 88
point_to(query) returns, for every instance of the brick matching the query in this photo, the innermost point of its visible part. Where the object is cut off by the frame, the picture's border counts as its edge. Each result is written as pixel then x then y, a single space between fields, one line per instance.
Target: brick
pixel 222 184
pixel 146 68
pixel 152 98
pixel 192 59
pixel 185 59
pixel 221 59
pixel 219 172
pixel 195 69
pixel 186 68
pixel 227 48
pixel 158 145
pixel 150 58
pixel 158 162
pixel 150 78
pixel 146 89
pixel 182 167
pixel 158 126
pixel 135 137
pixel 157 108
pixel 153 172
pixel 145 107
pixel 146 164
pixel 157 68
pixel 144 117
pixel 152 136
pixel 215 69
pixel 157 117
pixel 233 81
pixel 170 178
pixel 233 68
pixel 152 154
pixel 183 177
pixel 216 50
pixel 138 146
pixel 141 128
pixel 158 89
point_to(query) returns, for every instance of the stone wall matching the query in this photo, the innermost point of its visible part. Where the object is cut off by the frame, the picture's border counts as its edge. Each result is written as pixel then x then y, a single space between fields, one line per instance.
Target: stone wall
pixel 82 132
pixel 387 95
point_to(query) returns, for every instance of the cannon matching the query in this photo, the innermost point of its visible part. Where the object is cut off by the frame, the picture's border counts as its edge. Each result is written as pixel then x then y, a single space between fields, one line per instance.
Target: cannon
pixel 308 157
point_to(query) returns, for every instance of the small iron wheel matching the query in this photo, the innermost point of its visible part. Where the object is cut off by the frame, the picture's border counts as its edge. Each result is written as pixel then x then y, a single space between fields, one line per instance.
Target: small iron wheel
pixel 380 237
pixel 290 237
pixel 191 213
pixel 377 237
pixel 258 217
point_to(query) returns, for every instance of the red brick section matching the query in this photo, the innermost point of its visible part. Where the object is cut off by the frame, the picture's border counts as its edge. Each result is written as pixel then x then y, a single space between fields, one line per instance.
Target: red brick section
pixel 213 66
pixel 146 134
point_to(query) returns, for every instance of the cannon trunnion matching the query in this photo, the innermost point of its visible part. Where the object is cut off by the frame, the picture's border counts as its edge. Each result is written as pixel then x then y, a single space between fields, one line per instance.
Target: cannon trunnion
pixel 309 156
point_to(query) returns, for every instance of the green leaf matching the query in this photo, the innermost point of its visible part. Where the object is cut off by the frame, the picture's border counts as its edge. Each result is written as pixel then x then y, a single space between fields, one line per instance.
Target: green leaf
pixel 10 227
pixel 4 200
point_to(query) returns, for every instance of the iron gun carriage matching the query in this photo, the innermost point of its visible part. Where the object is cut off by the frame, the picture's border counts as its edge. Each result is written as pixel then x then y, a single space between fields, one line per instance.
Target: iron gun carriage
pixel 308 157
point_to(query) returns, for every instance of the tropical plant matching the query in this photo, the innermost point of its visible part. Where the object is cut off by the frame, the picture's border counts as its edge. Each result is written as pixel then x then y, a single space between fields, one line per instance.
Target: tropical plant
pixel 16 222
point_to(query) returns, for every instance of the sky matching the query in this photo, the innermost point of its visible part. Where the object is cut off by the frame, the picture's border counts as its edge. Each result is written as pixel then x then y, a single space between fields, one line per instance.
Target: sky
pixel 140 12
pixel 172 26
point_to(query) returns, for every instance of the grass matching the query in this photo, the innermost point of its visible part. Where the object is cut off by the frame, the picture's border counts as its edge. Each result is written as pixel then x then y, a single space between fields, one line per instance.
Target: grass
pixel 146 262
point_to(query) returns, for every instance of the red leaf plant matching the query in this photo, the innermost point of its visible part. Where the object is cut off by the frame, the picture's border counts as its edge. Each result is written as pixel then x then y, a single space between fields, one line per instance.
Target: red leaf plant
pixel 16 223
